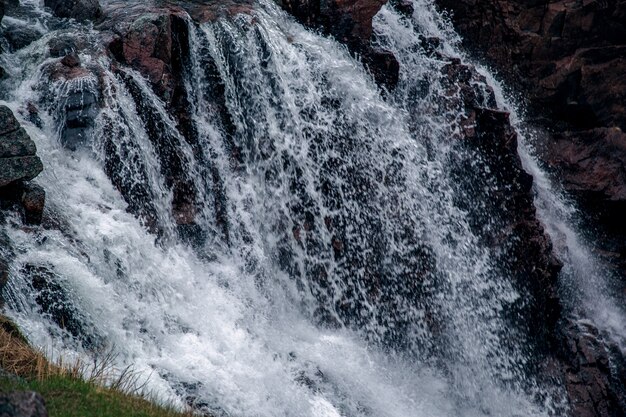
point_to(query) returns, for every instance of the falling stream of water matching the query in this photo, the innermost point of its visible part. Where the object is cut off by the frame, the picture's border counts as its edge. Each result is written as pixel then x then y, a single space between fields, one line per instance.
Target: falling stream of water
pixel 325 239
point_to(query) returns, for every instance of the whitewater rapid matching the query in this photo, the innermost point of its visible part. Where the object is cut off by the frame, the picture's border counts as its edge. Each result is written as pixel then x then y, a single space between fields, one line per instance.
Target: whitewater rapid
pixel 231 324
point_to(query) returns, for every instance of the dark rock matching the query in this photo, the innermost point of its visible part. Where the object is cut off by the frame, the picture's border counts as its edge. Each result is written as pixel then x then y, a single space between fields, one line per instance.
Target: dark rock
pixel 8 326
pixel 22 404
pixel 16 143
pixel 80 10
pixel 62 46
pixel 80 111
pixel 403 6
pixel 33 202
pixel 8 122
pixel 567 57
pixel 383 65
pixel 594 374
pixel 58 303
pixel 20 36
pixel 20 168
pixel 350 22
pixel 71 60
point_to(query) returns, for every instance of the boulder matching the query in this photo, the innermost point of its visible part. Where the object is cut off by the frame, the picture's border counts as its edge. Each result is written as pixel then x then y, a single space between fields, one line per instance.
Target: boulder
pixel 33 201
pixel 19 36
pixel 22 404
pixel 8 122
pixel 18 161
pixel 16 143
pixel 81 10
pixel 21 168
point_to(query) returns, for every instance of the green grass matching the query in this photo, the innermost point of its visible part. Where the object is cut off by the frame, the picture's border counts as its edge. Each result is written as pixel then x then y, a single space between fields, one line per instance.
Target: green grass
pixel 65 391
pixel 67 396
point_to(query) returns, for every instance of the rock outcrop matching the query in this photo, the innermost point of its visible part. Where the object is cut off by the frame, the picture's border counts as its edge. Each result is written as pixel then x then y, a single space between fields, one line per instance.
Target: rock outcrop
pixel 18 159
pixel 18 165
pixel 568 58
pixel 350 22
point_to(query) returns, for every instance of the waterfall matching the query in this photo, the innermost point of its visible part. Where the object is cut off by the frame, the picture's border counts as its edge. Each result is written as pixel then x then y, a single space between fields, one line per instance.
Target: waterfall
pixel 298 249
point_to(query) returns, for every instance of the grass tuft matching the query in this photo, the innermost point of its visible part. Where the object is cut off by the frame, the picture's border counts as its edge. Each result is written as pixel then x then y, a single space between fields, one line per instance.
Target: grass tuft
pixel 77 389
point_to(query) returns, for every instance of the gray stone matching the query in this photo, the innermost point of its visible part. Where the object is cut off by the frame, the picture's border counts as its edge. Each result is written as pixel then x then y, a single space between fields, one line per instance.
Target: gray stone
pixel 8 122
pixel 22 404
pixel 19 168
pixel 16 143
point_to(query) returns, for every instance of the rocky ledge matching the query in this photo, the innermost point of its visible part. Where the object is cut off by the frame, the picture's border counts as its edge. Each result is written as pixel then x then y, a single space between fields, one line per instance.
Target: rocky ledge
pixel 568 58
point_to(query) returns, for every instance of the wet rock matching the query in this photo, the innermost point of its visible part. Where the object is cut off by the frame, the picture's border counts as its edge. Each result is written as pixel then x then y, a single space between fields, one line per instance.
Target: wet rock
pixel 403 6
pixel 594 375
pixel 350 22
pixel 20 36
pixel 18 161
pixel 8 122
pixel 80 10
pixel 23 168
pixel 71 60
pixel 146 45
pixel 568 59
pixel 22 404
pixel 383 65
pixel 58 303
pixel 80 109
pixel 64 45
pixel 33 202
pixel 16 143
pixel 592 162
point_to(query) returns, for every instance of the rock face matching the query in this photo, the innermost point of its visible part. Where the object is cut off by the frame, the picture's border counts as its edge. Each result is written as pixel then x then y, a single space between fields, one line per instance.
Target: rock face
pixel 22 404
pixel 349 22
pixel 18 159
pixel 489 152
pixel 569 59
pixel 594 376
pixel 80 10
pixel 18 165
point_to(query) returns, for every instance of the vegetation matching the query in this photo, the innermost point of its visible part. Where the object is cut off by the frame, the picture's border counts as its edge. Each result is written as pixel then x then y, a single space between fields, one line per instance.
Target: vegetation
pixel 67 392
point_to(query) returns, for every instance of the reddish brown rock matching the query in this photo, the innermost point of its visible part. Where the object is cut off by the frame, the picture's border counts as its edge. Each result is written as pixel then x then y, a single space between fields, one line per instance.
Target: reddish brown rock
pixel 350 22
pixel 568 59
pixel 33 202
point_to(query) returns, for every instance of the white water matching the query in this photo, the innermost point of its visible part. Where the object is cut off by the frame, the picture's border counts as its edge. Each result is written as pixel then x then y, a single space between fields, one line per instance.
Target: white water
pixel 233 324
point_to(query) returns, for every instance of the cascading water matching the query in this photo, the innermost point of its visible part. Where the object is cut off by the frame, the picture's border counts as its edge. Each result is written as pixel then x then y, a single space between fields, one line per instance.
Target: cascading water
pixel 328 269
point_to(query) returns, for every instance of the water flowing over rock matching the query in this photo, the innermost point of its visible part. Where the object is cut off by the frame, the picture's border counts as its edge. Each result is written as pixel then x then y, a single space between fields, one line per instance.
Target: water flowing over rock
pixel 568 57
pixel 319 213
pixel 349 22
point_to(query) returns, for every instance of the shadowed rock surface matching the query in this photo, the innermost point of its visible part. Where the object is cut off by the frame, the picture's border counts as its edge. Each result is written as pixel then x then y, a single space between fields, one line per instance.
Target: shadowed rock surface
pixel 22 404
pixel 569 60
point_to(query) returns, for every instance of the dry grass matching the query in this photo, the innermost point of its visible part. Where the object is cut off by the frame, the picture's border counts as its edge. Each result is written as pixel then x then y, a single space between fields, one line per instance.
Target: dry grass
pixel 75 389
pixel 17 357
